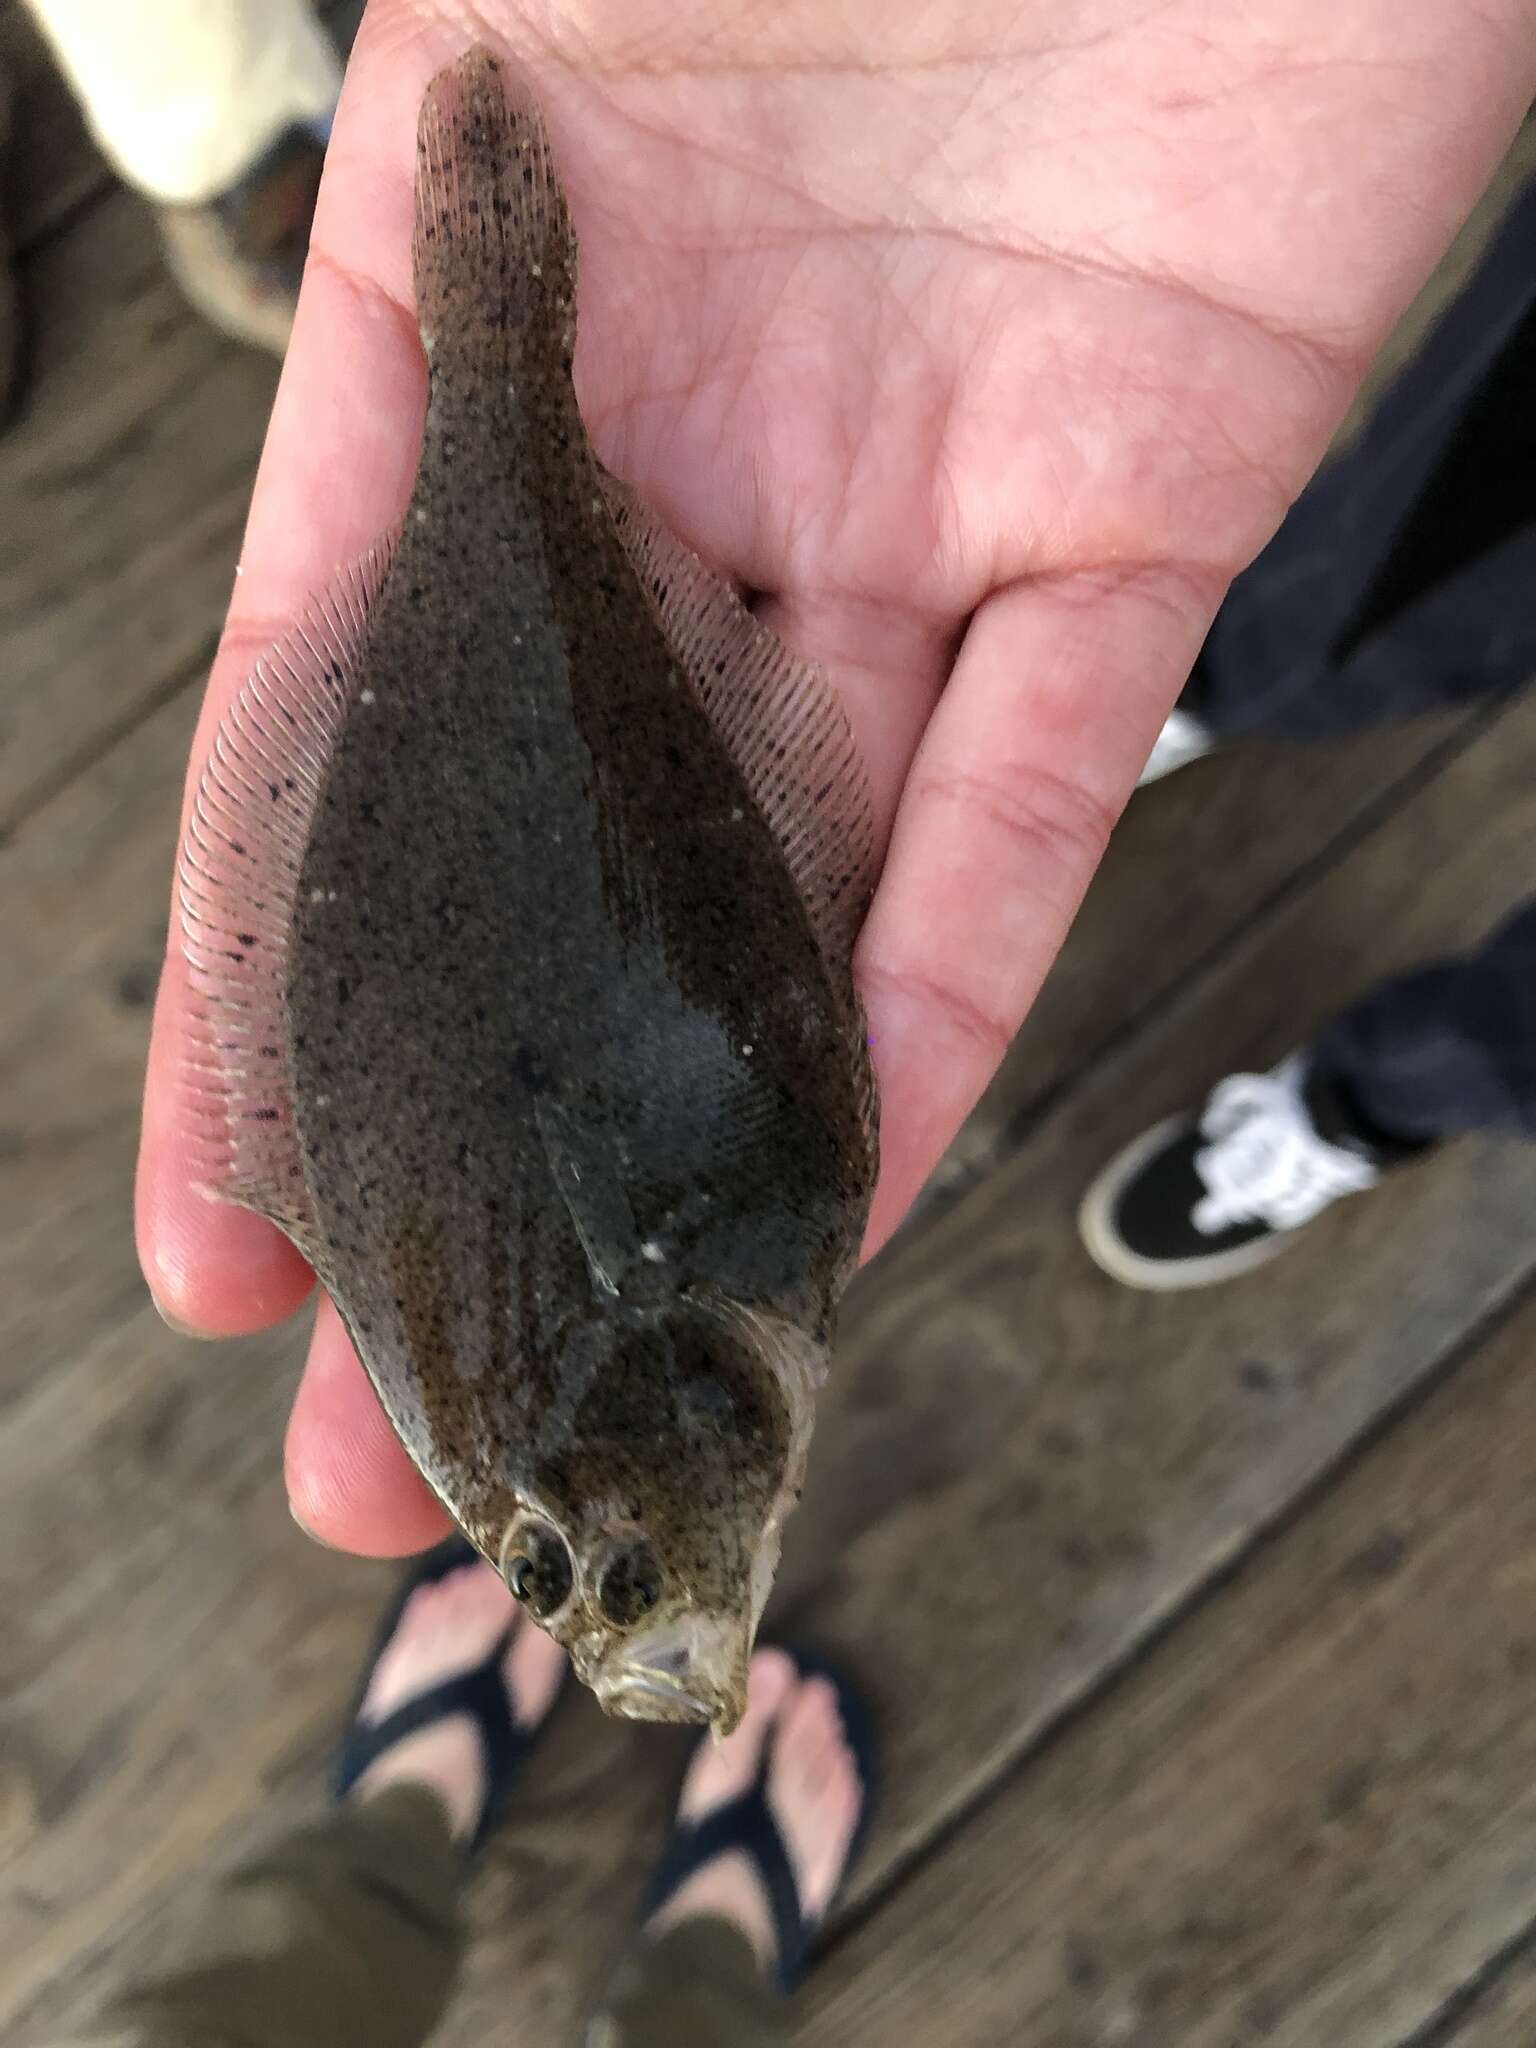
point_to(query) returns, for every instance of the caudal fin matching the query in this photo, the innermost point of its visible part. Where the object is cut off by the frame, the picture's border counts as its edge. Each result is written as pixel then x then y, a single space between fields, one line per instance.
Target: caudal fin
pixel 494 252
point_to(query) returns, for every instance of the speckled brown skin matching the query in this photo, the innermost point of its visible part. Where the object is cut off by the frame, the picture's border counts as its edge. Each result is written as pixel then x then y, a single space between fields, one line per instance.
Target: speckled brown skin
pixel 577 1073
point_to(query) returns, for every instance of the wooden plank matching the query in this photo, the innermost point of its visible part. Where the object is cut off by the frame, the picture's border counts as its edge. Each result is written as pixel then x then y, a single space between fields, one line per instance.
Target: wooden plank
pixel 52 167
pixel 134 452
pixel 82 924
pixel 1041 1466
pixel 1498 2011
pixel 1020 1470
pixel 1308 1817
pixel 134 456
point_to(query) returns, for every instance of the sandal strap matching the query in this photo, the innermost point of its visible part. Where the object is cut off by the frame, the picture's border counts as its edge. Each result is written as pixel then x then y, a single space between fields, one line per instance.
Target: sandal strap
pixel 429 1569
pixel 480 1693
pixel 745 1826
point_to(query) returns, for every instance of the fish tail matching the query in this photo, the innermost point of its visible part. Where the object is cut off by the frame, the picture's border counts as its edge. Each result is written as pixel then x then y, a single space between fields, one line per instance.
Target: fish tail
pixel 494 253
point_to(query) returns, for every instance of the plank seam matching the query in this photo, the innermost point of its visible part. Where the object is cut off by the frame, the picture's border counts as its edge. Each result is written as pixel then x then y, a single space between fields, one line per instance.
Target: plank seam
pixel 1075 1708
pixel 67 219
pixel 1462 2003
pixel 47 788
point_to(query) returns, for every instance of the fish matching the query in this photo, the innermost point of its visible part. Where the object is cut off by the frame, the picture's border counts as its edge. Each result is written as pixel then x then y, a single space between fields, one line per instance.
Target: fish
pixel 519 896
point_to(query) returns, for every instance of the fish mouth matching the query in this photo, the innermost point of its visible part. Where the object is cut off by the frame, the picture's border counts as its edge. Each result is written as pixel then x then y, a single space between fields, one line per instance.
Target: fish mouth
pixel 693 1670
pixel 643 1696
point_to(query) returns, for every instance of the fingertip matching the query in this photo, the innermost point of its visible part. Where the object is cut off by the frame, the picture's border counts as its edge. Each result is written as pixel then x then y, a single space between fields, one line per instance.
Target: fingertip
pixel 1046 721
pixel 351 1485
pixel 930 1074
pixel 212 1270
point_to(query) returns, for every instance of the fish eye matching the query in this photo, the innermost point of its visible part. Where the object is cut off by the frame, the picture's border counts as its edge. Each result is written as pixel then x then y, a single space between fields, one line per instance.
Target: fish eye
pixel 537 1568
pixel 631 1584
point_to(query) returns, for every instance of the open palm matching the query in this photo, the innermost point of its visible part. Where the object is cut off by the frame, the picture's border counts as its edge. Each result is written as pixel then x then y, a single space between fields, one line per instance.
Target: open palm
pixel 985 342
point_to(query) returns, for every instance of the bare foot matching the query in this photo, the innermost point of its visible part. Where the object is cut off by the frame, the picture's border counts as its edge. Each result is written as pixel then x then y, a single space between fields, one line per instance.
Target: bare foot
pixel 814 1792
pixel 447 1627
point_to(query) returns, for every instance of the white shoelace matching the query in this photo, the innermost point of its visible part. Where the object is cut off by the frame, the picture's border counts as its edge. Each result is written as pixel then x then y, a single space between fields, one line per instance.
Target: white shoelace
pixel 1265 1162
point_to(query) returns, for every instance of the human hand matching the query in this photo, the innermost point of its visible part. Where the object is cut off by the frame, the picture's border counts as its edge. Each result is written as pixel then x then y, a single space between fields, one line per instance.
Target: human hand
pixel 988 341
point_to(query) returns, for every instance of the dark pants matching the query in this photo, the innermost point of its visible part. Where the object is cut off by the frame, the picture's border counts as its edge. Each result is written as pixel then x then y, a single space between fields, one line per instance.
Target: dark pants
pixel 348 1931
pixel 1404 580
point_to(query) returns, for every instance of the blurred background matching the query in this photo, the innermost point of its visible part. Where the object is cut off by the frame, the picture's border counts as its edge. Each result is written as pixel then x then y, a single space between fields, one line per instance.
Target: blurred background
pixel 1202 1627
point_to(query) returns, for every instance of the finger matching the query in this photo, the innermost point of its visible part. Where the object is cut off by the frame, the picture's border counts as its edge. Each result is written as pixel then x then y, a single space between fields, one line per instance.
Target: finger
pixel 1057 696
pixel 213 1270
pixel 350 1483
pixel 335 472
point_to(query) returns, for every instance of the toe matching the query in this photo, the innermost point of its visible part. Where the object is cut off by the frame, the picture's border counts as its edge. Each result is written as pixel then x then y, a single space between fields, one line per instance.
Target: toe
pixel 812 1727
pixel 534 1667
pixel 815 1792
pixel 839 1807
pixel 446 1627
pixel 721 1771
pixel 459 1595
pixel 449 1609
pixel 819 1772
pixel 769 1681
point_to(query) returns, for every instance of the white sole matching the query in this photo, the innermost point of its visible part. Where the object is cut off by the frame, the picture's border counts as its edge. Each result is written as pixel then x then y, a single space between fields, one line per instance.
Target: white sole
pixel 1112 1255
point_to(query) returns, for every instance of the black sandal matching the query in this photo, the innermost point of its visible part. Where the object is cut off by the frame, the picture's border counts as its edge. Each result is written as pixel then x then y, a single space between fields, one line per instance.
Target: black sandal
pixel 746 1826
pixel 480 1692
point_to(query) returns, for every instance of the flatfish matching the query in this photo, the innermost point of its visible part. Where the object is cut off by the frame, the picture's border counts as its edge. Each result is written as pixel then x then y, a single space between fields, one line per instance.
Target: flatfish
pixel 519 893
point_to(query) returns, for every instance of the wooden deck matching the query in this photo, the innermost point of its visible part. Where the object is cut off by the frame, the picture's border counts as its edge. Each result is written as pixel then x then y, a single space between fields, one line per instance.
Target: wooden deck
pixel 1203 1631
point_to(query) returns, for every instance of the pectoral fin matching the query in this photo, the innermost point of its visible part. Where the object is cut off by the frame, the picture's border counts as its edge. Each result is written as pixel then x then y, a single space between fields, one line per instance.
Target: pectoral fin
pixel 583 1167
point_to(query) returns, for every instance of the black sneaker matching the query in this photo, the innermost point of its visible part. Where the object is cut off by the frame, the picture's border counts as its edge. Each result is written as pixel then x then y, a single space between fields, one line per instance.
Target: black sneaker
pixel 1206 1197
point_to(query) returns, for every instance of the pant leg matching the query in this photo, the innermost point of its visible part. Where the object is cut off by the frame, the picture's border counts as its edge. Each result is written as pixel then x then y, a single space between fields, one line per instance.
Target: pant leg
pixel 345 1931
pixel 184 96
pixel 1402 578
pixel 1448 1048
pixel 699 1985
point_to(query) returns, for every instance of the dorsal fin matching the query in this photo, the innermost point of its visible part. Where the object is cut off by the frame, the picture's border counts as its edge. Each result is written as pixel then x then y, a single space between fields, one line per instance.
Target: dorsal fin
pixel 780 718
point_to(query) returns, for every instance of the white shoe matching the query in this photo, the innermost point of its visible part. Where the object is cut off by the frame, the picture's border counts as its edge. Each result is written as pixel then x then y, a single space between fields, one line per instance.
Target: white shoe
pixel 1183 739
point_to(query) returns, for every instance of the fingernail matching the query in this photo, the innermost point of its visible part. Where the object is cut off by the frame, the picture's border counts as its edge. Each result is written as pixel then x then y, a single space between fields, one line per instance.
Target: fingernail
pixel 303 1526
pixel 174 1322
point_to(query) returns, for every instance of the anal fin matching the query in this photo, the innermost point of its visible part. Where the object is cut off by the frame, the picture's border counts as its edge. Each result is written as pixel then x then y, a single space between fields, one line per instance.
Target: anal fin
pixel 237 883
